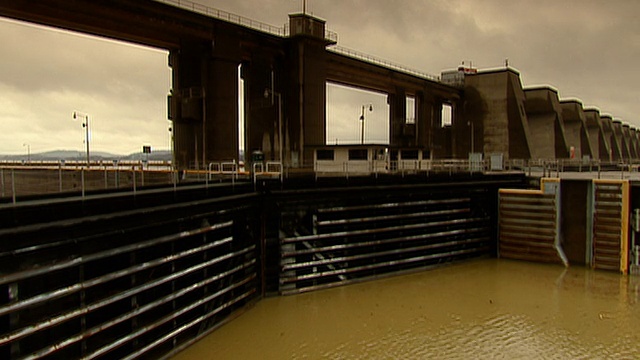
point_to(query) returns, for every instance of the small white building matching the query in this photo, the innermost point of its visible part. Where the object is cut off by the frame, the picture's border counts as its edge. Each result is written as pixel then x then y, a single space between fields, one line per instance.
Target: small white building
pixel 337 160
pixel 350 159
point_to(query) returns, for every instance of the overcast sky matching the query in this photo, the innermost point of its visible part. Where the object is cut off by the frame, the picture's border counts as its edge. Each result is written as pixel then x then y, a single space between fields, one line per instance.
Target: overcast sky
pixel 588 50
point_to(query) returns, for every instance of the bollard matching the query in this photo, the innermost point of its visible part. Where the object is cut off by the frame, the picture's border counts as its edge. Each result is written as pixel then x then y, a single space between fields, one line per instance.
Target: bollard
pixel 2 180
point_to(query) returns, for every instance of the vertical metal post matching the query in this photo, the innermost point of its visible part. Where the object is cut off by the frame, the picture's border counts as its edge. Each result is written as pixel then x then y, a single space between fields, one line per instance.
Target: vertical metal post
pixel 142 175
pixel 134 299
pixel 14 318
pixel 87 137
pixel 83 318
pixel 82 181
pixel 60 177
pixel 280 141
pixel 2 180
pixel 133 172
pixel 106 178
pixel 174 178
pixel 13 185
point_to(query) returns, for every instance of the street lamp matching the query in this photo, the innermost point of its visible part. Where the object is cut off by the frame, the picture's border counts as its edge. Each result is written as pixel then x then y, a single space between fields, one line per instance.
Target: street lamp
pixel 28 152
pixel 268 92
pixel 85 125
pixel 362 120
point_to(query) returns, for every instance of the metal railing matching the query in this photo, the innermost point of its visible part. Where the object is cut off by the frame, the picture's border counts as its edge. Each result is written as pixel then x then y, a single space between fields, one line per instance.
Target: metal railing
pixel 18 182
pixel 25 181
pixel 225 16
pixel 285 32
pixel 385 63
pixel 541 168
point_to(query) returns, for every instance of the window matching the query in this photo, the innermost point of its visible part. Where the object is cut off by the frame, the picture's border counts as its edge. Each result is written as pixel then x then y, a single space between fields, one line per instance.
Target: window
pixel 324 155
pixel 409 154
pixel 447 115
pixel 411 110
pixel 358 154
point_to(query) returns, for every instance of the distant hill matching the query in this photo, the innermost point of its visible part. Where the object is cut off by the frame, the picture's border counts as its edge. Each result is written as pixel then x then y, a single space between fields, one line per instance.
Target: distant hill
pixel 71 155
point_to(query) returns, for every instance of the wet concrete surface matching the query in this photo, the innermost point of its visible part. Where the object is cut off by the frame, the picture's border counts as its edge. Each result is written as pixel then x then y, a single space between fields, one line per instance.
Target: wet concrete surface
pixel 484 309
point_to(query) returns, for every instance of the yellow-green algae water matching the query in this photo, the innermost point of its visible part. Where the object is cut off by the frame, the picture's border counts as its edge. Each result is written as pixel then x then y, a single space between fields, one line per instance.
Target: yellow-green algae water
pixel 485 309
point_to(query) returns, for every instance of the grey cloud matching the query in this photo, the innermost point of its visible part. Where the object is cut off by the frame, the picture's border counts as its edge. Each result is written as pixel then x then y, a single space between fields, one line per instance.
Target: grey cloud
pixel 586 49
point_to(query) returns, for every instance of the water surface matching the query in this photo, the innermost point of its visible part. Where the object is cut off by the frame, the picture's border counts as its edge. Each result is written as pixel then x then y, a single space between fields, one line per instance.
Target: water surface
pixel 484 309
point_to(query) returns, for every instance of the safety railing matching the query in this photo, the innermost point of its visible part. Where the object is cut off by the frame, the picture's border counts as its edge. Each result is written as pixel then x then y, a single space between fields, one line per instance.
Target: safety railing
pixel 538 168
pixel 378 61
pixel 225 16
pixel 26 181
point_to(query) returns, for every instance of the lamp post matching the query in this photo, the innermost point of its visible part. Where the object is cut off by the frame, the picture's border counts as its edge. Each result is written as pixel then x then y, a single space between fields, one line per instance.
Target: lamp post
pixel 268 92
pixel 28 152
pixel 85 125
pixel 362 120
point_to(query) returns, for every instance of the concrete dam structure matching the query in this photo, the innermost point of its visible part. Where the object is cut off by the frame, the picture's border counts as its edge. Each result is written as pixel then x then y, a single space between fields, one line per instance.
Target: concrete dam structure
pixel 506 118
pixel 208 48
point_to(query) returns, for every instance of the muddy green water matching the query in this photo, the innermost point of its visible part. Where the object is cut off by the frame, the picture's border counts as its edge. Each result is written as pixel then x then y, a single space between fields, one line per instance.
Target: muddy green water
pixel 484 309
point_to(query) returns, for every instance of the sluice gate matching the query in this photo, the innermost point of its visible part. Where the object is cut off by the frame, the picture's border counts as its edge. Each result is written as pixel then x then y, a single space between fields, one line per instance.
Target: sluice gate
pixel 366 232
pixel 530 224
pixel 610 214
pixel 584 222
pixel 127 275
pixel 139 281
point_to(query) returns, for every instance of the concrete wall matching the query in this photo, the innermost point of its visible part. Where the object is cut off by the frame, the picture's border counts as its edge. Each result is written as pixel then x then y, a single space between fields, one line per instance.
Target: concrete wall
pixel 545 124
pixel 599 142
pixel 499 106
pixel 619 136
pixel 575 129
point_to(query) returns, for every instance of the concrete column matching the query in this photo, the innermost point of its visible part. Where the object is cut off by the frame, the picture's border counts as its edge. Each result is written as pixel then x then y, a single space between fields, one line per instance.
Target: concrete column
pixel 424 120
pixel 473 110
pixel 221 111
pixel 462 128
pixel 545 123
pixel 634 143
pixel 599 143
pixel 397 118
pixel 305 98
pixel 261 127
pixel 619 139
pixel 440 138
pixel 221 100
pixel 205 102
pixel 186 105
pixel 486 96
pixel 575 125
pixel 622 130
pixel 615 153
